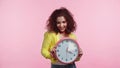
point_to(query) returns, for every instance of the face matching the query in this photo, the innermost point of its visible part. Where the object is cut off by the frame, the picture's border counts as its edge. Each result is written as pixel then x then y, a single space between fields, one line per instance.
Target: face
pixel 61 24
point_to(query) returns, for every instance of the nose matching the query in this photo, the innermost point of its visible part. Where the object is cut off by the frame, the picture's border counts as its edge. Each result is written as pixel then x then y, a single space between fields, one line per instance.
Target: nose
pixel 61 24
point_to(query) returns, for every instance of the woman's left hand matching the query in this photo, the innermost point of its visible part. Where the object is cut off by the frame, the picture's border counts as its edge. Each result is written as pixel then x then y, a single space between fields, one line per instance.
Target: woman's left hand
pixel 79 55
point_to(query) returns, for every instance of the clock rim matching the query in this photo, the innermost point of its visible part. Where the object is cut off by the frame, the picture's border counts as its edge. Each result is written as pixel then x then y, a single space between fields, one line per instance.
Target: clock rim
pixel 63 40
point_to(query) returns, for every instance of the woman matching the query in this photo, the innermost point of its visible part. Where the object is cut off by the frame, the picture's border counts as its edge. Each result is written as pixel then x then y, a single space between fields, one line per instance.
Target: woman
pixel 60 25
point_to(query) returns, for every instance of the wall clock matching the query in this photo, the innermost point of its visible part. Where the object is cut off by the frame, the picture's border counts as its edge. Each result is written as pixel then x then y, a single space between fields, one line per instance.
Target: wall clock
pixel 67 50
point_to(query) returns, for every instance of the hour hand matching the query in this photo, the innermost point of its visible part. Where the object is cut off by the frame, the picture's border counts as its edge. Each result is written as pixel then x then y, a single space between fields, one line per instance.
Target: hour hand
pixel 69 51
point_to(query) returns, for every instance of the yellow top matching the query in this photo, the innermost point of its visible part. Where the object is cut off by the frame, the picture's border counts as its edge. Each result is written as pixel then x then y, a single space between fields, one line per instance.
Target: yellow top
pixel 50 40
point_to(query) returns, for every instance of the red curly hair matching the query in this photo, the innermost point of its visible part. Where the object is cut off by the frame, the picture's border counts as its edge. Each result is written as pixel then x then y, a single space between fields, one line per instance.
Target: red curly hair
pixel 52 23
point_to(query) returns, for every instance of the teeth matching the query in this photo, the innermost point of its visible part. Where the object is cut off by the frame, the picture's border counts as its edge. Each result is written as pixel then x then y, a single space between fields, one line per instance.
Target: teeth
pixel 62 28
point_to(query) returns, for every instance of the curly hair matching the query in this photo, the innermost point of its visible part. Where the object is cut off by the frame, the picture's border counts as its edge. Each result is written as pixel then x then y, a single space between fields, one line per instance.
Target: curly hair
pixel 52 23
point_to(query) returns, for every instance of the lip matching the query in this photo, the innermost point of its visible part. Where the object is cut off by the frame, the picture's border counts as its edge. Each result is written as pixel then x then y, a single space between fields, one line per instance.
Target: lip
pixel 62 28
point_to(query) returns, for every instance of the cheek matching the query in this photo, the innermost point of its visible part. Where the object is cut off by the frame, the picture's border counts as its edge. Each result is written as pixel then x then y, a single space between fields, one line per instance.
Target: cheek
pixel 66 24
pixel 58 25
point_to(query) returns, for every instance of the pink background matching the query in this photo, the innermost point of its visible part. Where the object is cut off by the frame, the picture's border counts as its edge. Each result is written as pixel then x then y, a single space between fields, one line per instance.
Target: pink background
pixel 22 25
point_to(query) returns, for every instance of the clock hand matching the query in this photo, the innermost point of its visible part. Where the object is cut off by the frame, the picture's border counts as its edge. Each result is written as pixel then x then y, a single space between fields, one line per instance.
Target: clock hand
pixel 69 51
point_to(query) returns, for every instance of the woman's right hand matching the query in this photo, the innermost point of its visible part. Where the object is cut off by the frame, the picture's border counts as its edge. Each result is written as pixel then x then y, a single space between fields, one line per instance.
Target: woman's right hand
pixel 52 52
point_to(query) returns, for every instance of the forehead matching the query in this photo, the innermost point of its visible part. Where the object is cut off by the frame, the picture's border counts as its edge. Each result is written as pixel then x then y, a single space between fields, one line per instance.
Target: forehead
pixel 61 18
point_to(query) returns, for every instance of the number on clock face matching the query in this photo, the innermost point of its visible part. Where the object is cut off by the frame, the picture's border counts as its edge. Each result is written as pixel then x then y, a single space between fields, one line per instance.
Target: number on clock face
pixel 67 50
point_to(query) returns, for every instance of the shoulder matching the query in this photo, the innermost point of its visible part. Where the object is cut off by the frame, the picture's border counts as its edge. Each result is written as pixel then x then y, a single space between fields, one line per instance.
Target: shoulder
pixel 49 33
pixel 72 35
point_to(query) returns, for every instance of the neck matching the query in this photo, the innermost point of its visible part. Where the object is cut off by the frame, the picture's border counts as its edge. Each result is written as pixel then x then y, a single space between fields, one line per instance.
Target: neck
pixel 64 34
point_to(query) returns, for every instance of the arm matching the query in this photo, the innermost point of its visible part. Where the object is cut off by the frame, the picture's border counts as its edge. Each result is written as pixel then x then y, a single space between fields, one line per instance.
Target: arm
pixel 46 46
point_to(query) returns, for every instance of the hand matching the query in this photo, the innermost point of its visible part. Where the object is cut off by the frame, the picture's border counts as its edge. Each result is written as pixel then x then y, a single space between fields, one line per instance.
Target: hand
pixel 80 52
pixel 79 55
pixel 52 52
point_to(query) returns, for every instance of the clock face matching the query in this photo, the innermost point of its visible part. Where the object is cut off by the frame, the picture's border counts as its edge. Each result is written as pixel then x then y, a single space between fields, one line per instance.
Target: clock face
pixel 67 50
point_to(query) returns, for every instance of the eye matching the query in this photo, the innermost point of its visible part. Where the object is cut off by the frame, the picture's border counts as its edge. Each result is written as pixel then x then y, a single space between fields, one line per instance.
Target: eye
pixel 64 21
pixel 58 22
